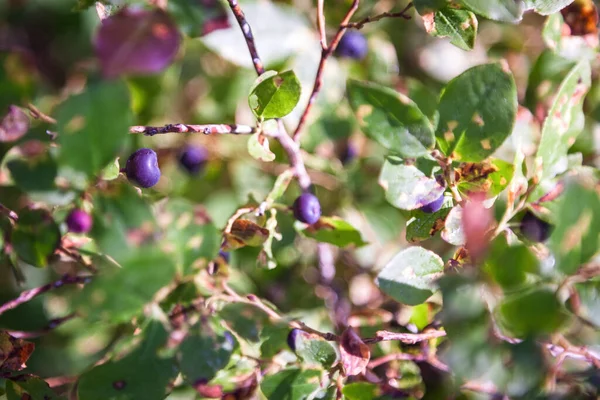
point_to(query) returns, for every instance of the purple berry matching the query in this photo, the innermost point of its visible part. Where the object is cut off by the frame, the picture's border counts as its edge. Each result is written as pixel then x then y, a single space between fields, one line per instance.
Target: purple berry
pixel 193 159
pixel 434 206
pixel 534 228
pixel 78 221
pixel 142 168
pixel 291 339
pixel 352 45
pixel 307 208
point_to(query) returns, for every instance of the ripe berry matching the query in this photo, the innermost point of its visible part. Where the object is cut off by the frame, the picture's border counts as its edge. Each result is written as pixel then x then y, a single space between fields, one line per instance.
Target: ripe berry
pixel 142 168
pixel 434 206
pixel 193 159
pixel 307 208
pixel 352 45
pixel 78 221
pixel 534 228
pixel 291 339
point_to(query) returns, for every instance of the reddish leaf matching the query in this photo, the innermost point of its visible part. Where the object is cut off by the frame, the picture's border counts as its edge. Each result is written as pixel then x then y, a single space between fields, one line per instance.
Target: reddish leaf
pixel 208 391
pixel 355 354
pixel 135 41
pixel 245 233
pixel 14 352
pixel 14 125
pixel 477 223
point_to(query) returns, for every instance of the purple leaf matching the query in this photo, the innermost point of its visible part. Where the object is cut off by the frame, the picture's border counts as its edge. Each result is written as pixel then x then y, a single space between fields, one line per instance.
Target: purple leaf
pixel 14 125
pixel 135 41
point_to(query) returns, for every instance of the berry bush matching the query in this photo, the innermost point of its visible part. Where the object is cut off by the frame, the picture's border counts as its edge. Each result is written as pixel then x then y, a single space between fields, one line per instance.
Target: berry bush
pixel 286 200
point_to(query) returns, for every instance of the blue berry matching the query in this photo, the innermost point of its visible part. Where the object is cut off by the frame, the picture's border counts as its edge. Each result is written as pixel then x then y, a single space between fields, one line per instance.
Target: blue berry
pixel 142 168
pixel 534 228
pixel 307 208
pixel 291 339
pixel 78 221
pixel 193 159
pixel 352 45
pixel 434 206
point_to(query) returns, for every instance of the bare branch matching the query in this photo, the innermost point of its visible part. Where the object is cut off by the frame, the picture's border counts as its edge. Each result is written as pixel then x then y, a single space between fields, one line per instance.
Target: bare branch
pixel 248 36
pixel 37 114
pixel 210 129
pixel 321 24
pixel 408 357
pixel 30 294
pixel 401 14
pixel 408 338
pixel 325 54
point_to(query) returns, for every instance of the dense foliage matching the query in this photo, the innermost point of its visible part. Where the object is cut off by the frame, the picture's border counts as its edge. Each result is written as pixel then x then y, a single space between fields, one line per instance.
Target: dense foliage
pixel 299 200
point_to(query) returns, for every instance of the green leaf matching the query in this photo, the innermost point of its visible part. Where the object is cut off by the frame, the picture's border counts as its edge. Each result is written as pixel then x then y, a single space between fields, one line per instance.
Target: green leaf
pixel 334 230
pixel 477 112
pixel 33 175
pixel 29 387
pixel 423 226
pixel 552 32
pixel 509 265
pixel 142 374
pixel 193 238
pixel 391 119
pixel 425 98
pixel 426 6
pixel 274 339
pixel 291 384
pixel 111 171
pixel 119 294
pixel 499 10
pixel 274 95
pixel 534 312
pixel 545 78
pixel 547 7
pixel 360 391
pixel 258 148
pixel 491 176
pixel 93 126
pixel 196 18
pixel 574 239
pixel 409 276
pixel 35 237
pixel 406 187
pixel 458 25
pixel 243 319
pixel 314 350
pixel 563 124
pixel 201 355
pixel 589 296
pixel 117 212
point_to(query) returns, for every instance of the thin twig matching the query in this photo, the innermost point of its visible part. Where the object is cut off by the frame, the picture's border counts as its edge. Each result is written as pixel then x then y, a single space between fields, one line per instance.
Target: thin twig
pixel 321 24
pixel 52 324
pixel 14 217
pixel 248 36
pixel 325 54
pixel 30 294
pixel 408 338
pixel 210 129
pixel 364 21
pixel 36 113
pixel 408 357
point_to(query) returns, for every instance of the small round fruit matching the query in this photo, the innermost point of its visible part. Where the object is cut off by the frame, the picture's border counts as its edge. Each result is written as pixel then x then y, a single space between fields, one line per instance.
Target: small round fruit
pixel 434 206
pixel 193 159
pixel 307 208
pixel 534 228
pixel 352 45
pixel 78 221
pixel 291 339
pixel 142 168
